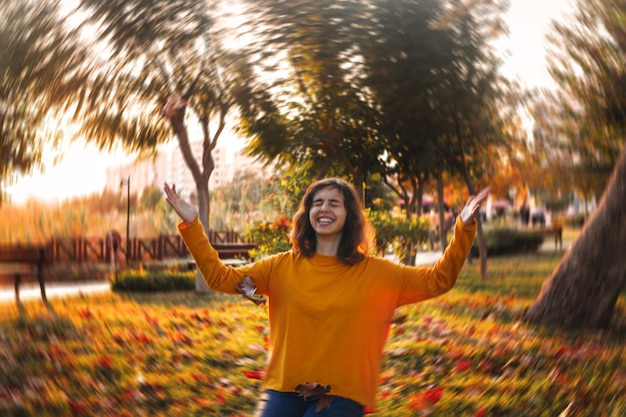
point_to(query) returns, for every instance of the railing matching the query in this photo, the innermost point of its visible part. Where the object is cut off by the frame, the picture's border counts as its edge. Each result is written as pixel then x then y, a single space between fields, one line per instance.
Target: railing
pixel 82 250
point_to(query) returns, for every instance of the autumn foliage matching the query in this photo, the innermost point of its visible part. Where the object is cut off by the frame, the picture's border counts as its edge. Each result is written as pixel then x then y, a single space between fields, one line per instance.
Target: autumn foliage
pixel 176 354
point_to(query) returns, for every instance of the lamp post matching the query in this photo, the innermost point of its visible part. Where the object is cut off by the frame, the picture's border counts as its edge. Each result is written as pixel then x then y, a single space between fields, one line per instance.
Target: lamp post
pixel 127 216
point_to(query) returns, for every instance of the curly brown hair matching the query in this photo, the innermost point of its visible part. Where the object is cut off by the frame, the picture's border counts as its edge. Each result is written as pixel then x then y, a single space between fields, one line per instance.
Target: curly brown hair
pixel 354 242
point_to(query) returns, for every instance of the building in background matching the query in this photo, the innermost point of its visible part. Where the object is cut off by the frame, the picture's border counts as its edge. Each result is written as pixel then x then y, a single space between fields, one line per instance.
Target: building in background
pixel 169 166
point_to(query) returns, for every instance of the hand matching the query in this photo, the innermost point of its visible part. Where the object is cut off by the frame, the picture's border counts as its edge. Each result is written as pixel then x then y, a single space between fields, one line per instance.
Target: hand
pixel 472 207
pixel 188 212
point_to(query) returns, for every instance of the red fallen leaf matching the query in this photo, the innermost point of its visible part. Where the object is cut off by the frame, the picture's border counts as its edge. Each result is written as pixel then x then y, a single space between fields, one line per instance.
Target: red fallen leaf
pixel 183 338
pixel 481 412
pixel 315 391
pixel 561 351
pixel 367 410
pixel 254 374
pixel 433 394
pixel 105 362
pixel 463 365
pixel 77 407
pixel 85 314
pixel 151 320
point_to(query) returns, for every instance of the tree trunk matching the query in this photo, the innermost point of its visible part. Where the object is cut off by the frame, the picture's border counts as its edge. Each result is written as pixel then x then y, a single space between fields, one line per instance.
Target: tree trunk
pixel 443 231
pixel 583 289
pixel 480 235
pixel 203 214
pixel 202 182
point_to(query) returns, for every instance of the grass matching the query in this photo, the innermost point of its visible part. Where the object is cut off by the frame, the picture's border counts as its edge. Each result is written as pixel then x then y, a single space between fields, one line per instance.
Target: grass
pixel 179 354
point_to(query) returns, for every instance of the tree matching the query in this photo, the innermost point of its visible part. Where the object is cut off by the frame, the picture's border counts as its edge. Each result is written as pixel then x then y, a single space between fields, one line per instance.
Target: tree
pixel 40 67
pixel 322 121
pixel 588 66
pixel 583 289
pixel 167 72
pixel 404 59
pixel 477 109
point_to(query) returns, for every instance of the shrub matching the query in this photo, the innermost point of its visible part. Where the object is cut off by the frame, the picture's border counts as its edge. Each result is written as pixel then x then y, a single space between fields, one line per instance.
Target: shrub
pixel 271 237
pixel 506 240
pixel 143 281
pixel 404 235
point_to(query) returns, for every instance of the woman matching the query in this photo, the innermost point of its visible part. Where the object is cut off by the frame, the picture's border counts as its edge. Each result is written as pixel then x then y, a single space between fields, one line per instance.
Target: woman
pixel 330 302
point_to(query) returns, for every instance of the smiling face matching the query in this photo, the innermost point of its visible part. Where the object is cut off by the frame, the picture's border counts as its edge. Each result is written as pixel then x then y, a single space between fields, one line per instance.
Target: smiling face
pixel 328 212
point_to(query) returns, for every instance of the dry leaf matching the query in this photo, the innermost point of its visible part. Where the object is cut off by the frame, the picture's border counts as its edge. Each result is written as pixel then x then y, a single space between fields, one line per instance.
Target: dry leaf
pixel 315 391
pixel 247 288
pixel 398 319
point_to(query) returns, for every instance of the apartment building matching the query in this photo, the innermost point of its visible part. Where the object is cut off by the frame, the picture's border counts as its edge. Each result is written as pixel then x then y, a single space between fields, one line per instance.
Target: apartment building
pixel 169 166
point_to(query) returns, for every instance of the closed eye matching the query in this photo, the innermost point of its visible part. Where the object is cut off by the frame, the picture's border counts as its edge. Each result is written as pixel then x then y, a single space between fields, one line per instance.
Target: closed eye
pixel 333 203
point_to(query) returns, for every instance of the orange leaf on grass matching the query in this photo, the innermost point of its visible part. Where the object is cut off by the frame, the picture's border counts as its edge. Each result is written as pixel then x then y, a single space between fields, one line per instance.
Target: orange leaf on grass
pixel 425 401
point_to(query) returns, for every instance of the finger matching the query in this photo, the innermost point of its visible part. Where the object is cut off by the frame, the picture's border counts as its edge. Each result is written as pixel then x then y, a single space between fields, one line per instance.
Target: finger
pixel 483 194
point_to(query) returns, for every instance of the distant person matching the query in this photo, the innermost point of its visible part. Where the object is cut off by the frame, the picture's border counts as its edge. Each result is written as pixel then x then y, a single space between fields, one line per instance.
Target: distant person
pixel 524 214
pixel 330 301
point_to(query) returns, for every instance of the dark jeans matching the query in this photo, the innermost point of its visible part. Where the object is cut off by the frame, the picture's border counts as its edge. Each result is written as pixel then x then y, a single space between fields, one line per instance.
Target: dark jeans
pixel 290 404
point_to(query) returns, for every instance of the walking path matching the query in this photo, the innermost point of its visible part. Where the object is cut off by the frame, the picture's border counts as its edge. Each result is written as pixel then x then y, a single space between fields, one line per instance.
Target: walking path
pixel 56 289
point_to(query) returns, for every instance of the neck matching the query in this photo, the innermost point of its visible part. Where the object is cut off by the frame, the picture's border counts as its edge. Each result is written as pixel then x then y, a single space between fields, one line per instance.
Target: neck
pixel 327 245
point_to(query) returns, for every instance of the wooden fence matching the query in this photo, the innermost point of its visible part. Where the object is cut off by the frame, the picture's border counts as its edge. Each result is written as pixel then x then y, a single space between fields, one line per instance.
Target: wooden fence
pixel 82 250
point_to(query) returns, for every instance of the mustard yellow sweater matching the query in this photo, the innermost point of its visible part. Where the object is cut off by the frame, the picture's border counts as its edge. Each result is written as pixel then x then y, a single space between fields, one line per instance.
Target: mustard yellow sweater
pixel 328 321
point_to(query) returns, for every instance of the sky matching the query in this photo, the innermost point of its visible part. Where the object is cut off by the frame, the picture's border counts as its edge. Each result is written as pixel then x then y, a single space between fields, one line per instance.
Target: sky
pixel 82 170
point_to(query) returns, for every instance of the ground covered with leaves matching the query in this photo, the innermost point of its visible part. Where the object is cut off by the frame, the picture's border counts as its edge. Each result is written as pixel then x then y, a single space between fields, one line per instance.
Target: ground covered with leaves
pixel 466 353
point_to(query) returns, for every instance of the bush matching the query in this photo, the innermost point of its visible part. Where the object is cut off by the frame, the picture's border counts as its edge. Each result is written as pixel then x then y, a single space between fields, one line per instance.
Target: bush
pixel 142 281
pixel 404 235
pixel 506 240
pixel 272 238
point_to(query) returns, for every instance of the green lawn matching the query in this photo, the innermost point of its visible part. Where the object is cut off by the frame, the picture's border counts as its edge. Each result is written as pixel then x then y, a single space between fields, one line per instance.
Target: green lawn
pixel 178 354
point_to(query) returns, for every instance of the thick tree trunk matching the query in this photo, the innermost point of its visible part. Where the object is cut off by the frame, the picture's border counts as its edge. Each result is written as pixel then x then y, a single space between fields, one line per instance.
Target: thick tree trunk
pixel 584 287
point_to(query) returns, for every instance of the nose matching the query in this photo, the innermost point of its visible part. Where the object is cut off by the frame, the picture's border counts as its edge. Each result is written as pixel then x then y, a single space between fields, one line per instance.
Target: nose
pixel 324 206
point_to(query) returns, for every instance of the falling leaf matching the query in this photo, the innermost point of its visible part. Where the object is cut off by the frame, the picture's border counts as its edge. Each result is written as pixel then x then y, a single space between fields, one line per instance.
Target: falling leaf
pixel 247 288
pixel 315 391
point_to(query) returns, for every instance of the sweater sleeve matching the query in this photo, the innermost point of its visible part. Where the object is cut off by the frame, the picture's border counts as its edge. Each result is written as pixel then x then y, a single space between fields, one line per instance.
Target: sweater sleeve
pixel 421 283
pixel 218 276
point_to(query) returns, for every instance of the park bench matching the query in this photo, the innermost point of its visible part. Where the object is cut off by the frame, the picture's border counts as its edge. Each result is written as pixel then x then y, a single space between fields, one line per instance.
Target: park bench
pixel 233 254
pixel 234 250
pixel 19 261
